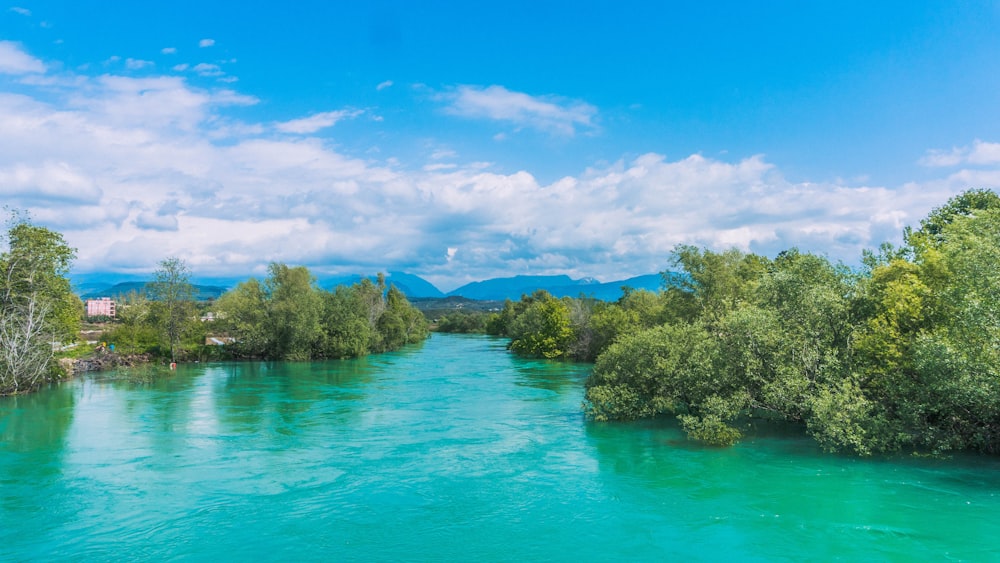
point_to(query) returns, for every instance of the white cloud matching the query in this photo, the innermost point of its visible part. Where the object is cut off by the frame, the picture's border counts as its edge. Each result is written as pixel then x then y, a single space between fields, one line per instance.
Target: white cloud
pixel 206 42
pixel 20 10
pixel 54 180
pixel 206 69
pixel 168 50
pixel 181 67
pixel 13 60
pixel 156 222
pixel 551 114
pixel 439 166
pixel 383 85
pixel 135 169
pixel 441 154
pixel 136 64
pixel 980 153
pixel 316 121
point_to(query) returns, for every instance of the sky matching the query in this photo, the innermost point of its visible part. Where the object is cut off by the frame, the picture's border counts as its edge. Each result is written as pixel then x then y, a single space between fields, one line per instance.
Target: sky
pixel 461 141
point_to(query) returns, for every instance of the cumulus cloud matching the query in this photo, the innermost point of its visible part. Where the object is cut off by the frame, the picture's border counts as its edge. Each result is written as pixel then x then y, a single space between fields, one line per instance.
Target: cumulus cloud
pixel 979 153
pixel 56 181
pixel 206 42
pixel 136 64
pixel 207 69
pixel 383 85
pixel 551 114
pixel 13 60
pixel 316 121
pixel 134 169
pixel 20 10
pixel 168 50
pixel 156 222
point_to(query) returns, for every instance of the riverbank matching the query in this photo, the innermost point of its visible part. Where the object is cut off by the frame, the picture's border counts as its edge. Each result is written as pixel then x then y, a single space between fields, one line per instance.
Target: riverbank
pixel 102 360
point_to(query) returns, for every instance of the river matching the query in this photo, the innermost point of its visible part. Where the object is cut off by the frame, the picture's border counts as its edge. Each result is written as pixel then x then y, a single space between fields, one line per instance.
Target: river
pixel 451 450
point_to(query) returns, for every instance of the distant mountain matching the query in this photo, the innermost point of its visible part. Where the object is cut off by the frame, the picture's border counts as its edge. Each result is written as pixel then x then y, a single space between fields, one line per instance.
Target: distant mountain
pixel 609 291
pixel 411 285
pixel 498 289
pixel 89 282
pixel 119 290
pixel 511 288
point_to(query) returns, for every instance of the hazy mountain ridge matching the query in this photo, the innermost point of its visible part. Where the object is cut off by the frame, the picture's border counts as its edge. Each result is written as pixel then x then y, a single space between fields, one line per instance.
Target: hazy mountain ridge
pixel 94 285
pixel 498 289
pixel 119 290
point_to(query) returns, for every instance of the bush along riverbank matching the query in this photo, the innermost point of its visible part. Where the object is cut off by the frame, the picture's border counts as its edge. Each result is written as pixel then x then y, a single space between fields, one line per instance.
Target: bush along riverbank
pixel 900 354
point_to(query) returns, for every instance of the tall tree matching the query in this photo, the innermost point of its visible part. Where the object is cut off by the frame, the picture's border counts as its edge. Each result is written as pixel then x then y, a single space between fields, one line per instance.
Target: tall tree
pixel 294 310
pixel 173 293
pixel 243 312
pixel 37 306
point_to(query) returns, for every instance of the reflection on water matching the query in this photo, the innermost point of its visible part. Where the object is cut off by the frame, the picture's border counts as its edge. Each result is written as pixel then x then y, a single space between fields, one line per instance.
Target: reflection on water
pixel 37 422
pixel 451 451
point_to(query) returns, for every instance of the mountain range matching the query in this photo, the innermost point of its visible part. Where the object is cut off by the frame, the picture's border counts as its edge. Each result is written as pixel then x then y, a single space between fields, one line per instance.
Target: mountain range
pixel 93 285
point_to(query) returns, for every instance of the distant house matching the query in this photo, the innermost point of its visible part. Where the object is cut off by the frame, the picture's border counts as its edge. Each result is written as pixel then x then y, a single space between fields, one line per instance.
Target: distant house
pixel 101 307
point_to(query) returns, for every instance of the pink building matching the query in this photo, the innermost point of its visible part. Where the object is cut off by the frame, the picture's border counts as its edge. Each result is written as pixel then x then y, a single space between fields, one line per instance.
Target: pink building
pixel 103 307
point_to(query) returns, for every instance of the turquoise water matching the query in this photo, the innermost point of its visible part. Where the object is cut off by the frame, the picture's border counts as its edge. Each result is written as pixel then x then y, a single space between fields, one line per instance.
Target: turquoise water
pixel 453 450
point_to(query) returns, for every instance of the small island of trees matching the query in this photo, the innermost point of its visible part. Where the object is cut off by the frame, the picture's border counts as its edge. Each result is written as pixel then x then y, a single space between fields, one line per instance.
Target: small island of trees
pixel 901 354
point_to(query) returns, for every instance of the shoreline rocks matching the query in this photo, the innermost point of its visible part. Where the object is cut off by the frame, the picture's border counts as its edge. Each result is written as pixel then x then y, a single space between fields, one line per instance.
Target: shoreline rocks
pixel 104 360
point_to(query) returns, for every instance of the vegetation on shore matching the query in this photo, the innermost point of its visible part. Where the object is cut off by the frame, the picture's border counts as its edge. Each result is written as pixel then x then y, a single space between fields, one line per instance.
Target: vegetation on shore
pixel 37 305
pixel 903 353
pixel 285 317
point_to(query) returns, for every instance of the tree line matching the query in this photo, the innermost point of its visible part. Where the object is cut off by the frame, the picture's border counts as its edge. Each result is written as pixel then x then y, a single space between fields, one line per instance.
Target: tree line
pixel 286 316
pixel 902 353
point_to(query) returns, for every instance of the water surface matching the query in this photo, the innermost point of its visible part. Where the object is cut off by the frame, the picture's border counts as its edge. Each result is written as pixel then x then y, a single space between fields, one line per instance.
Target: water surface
pixel 452 450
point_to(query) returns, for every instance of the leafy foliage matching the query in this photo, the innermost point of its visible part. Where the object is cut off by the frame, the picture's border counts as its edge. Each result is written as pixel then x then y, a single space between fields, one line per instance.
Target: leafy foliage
pixel 172 302
pixel 902 354
pixel 37 306
pixel 287 317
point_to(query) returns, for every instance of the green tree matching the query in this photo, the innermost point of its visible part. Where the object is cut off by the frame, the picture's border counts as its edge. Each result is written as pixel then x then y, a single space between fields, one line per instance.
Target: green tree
pixel 346 330
pixel 133 330
pixel 464 322
pixel 966 204
pixel 714 283
pixel 173 301
pixel 400 323
pixel 293 313
pixel 543 330
pixel 37 306
pixel 242 314
pixel 930 352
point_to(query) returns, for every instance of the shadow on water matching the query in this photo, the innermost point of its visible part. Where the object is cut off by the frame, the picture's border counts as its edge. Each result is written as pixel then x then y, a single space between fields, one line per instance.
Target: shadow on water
pixel 778 483
pixel 37 422
pixel 252 395
pixel 34 432
pixel 551 375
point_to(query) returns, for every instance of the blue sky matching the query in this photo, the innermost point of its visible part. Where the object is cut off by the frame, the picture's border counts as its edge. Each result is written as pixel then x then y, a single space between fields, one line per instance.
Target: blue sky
pixel 460 141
